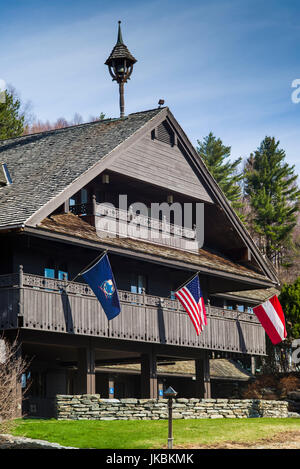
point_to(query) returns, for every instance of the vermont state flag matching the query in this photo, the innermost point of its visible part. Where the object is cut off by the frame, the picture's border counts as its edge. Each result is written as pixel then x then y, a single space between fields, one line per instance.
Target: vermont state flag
pixel 101 280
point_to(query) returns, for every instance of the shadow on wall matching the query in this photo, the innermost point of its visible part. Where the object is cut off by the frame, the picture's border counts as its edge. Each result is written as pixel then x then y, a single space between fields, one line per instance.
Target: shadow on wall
pixel 242 342
pixel 67 312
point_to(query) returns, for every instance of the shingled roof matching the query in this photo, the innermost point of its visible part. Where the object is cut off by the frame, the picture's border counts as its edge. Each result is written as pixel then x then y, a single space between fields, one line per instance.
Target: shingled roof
pixel 220 368
pixel 43 164
pixel 73 225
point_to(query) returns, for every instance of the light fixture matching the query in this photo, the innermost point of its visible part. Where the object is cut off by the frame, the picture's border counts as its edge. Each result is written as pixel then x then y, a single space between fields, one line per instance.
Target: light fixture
pixel 170 199
pixel 120 65
pixel 170 394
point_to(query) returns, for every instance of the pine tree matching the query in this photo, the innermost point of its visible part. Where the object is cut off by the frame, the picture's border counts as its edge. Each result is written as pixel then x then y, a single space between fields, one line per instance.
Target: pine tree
pixel 270 186
pixel 290 301
pixel 215 156
pixel 12 119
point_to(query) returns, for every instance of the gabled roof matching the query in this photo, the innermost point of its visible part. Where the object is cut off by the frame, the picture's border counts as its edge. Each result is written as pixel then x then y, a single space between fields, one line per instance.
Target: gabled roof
pixel 44 164
pixel 49 167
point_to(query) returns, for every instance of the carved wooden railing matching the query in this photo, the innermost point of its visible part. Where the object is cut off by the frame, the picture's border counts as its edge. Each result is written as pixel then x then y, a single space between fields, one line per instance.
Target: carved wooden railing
pixel 40 303
pixel 35 281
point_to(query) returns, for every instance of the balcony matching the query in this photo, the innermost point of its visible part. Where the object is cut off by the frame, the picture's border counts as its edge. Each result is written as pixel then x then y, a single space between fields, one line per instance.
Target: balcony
pixel 33 302
pixel 111 221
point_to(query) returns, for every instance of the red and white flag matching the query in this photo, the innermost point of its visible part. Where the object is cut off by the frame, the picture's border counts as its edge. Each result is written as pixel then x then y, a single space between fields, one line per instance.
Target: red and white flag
pixel 271 317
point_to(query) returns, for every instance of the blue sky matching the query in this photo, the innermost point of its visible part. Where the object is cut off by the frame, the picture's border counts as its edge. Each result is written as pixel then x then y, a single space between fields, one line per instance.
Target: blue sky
pixel 221 66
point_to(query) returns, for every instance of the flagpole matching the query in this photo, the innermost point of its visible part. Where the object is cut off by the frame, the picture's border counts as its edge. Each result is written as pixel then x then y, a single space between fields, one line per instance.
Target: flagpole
pixel 188 280
pixel 90 264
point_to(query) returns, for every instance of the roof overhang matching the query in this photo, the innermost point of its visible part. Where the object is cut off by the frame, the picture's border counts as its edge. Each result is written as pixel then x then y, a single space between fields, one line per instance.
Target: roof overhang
pixel 236 281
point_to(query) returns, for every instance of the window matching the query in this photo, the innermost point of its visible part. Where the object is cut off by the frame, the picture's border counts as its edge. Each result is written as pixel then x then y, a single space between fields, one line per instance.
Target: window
pixel 72 202
pixel 49 273
pixel 52 271
pixel 138 282
pixel 83 196
pixel 62 275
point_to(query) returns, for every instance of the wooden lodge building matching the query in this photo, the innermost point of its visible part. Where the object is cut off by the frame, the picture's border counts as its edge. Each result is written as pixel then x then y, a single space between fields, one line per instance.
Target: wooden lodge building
pixel 55 187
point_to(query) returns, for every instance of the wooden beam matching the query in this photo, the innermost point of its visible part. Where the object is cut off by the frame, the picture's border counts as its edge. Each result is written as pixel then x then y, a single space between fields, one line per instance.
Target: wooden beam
pixel 149 376
pixel 86 383
pixel 203 387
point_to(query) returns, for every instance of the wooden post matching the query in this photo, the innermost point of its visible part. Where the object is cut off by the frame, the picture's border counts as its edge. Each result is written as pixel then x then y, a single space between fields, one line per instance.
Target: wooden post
pixel 122 104
pixel 19 390
pixel 148 376
pixel 86 383
pixel 66 206
pixel 20 276
pixel 253 364
pixel 20 303
pixel 203 377
pixel 94 209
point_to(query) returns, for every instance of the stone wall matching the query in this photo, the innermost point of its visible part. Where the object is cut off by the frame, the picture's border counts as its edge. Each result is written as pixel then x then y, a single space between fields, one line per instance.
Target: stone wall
pixel 92 407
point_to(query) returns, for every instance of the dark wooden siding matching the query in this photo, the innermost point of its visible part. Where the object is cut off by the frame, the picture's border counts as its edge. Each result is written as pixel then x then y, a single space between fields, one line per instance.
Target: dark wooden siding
pixel 161 164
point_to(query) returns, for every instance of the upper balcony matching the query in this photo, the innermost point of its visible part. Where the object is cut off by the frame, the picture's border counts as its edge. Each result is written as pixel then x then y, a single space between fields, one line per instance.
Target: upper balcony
pixel 110 221
pixel 37 303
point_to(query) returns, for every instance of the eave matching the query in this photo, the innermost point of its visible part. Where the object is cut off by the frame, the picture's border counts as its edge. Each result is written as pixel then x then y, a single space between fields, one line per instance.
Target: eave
pixel 245 282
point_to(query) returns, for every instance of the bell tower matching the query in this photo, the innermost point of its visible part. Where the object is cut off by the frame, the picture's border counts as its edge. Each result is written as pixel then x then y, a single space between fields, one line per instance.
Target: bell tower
pixel 120 65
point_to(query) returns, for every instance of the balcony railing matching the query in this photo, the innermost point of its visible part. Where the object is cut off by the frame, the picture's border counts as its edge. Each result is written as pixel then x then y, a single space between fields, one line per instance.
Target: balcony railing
pixel 111 221
pixel 34 302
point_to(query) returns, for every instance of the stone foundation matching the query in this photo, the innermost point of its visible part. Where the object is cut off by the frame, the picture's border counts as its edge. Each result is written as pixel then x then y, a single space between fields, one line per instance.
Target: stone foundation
pixel 92 407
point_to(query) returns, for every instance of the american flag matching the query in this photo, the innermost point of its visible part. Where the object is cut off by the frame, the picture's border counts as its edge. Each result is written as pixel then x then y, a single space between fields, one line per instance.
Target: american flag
pixel 191 298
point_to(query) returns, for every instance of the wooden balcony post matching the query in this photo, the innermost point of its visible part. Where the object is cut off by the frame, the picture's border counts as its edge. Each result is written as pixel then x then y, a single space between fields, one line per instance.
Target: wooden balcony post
pixel 203 388
pixel 20 276
pixel 86 383
pixel 94 209
pixel 149 376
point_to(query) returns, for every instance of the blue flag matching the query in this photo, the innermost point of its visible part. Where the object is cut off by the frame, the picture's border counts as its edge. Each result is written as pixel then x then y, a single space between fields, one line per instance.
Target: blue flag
pixel 101 280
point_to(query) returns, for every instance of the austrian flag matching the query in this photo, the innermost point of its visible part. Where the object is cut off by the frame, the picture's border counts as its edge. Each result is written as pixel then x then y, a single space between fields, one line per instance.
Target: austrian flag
pixel 271 317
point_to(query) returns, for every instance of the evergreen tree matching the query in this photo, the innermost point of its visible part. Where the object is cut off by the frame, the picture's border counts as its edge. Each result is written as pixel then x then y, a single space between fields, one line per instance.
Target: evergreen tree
pixel 215 156
pixel 290 301
pixel 270 186
pixel 12 119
